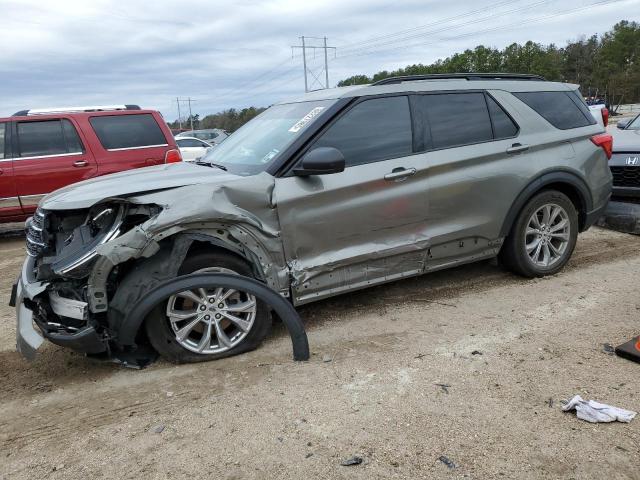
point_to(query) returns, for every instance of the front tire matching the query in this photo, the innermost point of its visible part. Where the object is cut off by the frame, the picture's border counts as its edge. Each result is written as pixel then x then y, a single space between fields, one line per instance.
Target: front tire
pixel 543 237
pixel 197 326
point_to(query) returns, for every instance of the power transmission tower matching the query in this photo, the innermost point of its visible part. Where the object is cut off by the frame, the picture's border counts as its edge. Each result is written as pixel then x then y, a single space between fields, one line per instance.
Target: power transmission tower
pixel 187 100
pixel 305 46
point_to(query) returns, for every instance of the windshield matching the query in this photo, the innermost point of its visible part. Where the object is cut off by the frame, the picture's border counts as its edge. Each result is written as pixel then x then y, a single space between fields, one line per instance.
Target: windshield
pixel 252 148
pixel 634 124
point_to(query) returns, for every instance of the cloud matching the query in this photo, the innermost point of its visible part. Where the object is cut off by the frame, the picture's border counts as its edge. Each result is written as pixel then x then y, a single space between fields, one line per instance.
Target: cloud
pixel 235 54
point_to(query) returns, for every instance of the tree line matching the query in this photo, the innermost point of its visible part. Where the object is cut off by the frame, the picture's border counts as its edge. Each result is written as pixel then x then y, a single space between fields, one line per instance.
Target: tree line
pixel 229 120
pixel 605 65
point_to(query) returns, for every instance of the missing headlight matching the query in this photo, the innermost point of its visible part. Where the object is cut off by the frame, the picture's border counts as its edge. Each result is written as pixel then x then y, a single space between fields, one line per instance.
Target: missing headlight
pixel 74 236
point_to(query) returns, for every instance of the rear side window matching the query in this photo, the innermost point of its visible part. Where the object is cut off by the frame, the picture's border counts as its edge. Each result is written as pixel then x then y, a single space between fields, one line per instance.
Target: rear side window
pixel 503 126
pixel 49 137
pixel 457 119
pixel 560 109
pixel 2 142
pixel 128 131
pixel 373 130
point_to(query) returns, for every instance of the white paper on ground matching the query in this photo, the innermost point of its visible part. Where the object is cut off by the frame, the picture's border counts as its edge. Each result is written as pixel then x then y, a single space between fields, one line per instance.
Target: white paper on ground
pixel 596 412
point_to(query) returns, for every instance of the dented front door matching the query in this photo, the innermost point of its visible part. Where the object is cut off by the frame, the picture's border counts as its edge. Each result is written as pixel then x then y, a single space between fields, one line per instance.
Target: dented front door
pixel 367 224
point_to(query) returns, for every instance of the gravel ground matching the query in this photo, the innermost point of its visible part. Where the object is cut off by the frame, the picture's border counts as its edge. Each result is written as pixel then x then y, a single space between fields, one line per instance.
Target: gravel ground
pixel 470 364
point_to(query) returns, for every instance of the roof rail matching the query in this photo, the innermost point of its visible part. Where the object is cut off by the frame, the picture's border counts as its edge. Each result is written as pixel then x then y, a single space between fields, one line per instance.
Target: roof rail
pixel 462 76
pixel 96 108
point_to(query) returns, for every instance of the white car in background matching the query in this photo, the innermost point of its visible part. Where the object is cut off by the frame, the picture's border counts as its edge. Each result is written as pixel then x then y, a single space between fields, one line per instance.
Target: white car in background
pixel 193 149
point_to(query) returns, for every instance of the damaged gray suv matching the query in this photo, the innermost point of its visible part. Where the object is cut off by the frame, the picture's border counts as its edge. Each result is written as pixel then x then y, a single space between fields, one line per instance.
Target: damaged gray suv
pixel 336 191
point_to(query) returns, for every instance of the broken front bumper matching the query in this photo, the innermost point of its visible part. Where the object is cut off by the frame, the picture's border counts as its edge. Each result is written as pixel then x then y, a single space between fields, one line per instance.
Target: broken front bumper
pixel 29 338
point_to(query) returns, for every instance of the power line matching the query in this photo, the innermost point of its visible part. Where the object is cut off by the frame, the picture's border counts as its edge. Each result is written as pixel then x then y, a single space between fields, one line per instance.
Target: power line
pixel 491 17
pixel 487 30
pixel 374 39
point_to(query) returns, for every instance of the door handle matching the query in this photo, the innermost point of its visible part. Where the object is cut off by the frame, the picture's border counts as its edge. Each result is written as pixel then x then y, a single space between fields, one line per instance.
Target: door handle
pixel 517 148
pixel 399 174
pixel 80 163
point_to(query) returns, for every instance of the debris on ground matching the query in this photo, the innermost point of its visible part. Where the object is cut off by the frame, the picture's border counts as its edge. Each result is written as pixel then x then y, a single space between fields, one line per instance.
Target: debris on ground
pixel 443 386
pixel 630 350
pixel 447 462
pixel 158 429
pixel 476 352
pixel 550 402
pixel 326 358
pixel 351 461
pixel 596 412
pixel 608 349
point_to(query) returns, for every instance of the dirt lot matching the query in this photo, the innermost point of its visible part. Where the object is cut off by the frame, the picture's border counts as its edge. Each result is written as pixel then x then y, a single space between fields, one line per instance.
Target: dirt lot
pixel 261 415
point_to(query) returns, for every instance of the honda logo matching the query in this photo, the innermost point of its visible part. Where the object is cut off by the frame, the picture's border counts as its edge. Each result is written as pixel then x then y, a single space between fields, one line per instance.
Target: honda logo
pixel 633 161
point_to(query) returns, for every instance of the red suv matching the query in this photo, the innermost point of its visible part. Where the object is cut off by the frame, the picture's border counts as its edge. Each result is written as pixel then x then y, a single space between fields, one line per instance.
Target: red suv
pixel 43 150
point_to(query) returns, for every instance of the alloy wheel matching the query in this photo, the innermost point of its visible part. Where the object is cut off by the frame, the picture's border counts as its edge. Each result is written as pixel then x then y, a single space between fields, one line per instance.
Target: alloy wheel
pixel 547 235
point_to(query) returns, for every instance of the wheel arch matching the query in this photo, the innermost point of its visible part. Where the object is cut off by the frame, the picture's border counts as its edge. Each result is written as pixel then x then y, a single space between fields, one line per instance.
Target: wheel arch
pixel 147 273
pixel 565 182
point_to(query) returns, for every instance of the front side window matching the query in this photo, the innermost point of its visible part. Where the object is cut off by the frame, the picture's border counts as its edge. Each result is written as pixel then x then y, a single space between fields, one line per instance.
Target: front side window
pixel 48 137
pixel 189 142
pixel 371 131
pixel 560 109
pixel 2 141
pixel 128 131
pixel 456 119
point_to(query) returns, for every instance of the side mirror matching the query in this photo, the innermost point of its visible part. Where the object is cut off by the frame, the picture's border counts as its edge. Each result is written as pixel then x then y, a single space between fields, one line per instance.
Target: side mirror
pixel 320 161
pixel 622 124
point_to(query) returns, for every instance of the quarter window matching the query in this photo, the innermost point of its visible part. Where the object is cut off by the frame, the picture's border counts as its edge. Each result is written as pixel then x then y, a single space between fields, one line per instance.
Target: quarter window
pixel 558 108
pixel 456 119
pixel 49 137
pixel 373 130
pixel 128 131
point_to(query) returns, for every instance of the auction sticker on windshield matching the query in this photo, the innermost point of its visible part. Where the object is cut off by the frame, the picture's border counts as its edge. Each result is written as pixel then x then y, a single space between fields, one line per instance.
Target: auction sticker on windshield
pixel 300 124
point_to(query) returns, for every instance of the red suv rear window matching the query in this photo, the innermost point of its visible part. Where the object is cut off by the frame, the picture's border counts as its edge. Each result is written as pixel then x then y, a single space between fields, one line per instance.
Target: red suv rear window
pixel 128 131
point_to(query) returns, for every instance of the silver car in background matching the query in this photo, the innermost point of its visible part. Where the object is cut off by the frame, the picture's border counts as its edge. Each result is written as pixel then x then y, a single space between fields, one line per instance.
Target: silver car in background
pixel 318 196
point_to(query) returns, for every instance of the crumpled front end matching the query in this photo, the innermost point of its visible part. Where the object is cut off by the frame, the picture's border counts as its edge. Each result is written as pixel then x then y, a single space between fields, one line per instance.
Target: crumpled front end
pixel 87 267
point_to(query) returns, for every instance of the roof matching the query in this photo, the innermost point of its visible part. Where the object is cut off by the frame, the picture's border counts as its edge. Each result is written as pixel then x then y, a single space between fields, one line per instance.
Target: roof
pixel 433 84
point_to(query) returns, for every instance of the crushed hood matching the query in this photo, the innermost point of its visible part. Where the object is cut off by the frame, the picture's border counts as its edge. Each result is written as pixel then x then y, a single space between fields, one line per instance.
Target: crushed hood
pixel 626 140
pixel 124 184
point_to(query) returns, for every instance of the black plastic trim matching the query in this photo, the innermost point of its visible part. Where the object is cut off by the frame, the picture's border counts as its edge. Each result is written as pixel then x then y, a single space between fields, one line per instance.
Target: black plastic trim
pixel 463 76
pixel 547 178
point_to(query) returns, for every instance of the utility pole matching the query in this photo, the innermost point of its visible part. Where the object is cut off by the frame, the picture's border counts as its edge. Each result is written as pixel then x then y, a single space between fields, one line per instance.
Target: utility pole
pixel 305 46
pixel 190 114
pixel 179 117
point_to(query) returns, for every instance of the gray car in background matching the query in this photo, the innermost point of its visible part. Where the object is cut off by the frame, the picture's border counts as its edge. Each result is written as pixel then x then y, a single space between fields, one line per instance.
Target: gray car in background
pixel 335 191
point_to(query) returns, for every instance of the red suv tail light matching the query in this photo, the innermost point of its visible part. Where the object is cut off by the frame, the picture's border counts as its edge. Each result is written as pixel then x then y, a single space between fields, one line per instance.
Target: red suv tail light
pixel 604 141
pixel 605 116
pixel 172 156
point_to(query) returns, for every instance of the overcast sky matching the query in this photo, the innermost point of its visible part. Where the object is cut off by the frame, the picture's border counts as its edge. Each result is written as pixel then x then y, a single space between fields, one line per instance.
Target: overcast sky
pixel 237 53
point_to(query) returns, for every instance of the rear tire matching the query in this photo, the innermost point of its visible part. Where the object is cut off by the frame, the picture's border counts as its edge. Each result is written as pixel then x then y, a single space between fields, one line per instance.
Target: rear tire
pixel 543 236
pixel 163 335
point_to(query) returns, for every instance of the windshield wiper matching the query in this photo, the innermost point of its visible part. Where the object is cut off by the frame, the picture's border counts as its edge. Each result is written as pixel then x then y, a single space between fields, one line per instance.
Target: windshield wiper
pixel 210 164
